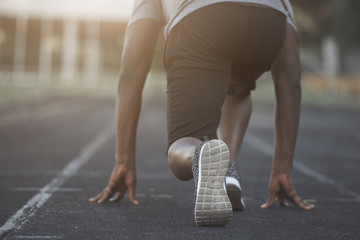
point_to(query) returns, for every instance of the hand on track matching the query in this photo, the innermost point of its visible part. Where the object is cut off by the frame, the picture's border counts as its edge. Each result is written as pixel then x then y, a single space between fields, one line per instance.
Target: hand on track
pixel 281 186
pixel 122 179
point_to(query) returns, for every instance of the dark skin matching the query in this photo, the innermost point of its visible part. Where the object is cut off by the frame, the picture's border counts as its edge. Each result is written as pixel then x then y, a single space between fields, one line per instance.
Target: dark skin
pixel 139 47
pixel 286 73
pixel 136 60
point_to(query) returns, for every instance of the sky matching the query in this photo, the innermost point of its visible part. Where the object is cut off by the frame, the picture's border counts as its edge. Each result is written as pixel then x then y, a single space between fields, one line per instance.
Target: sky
pixel 102 9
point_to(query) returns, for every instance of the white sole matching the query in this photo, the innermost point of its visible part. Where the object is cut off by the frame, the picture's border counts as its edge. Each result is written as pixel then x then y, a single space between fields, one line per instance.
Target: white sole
pixel 233 189
pixel 212 205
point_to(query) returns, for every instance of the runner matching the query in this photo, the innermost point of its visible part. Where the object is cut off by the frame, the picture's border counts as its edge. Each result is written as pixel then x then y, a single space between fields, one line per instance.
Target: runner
pixel 215 51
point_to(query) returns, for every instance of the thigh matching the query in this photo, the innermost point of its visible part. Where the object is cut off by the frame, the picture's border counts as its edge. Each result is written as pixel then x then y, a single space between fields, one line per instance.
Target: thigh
pixel 203 52
pixel 195 99
pixel 257 49
pixel 198 75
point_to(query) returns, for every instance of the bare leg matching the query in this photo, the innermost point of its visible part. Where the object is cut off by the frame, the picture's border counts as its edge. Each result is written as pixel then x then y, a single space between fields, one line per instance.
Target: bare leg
pixel 236 112
pixel 180 157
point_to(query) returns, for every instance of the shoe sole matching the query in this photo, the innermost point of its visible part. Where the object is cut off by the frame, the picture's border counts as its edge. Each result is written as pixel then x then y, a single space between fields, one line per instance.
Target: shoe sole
pixel 233 189
pixel 212 205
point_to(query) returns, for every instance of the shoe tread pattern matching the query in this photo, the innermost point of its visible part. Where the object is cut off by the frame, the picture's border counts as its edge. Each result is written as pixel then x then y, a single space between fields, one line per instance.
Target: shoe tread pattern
pixel 212 206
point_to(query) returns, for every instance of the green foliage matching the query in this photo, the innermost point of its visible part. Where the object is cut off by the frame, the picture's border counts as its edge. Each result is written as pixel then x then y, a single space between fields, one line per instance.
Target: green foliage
pixel 346 22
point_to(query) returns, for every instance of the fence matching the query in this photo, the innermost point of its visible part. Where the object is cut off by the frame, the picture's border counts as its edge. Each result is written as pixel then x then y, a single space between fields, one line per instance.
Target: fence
pixel 63 51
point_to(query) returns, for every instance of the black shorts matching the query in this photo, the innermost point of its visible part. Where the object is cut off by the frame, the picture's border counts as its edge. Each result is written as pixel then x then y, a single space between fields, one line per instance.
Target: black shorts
pixel 217 50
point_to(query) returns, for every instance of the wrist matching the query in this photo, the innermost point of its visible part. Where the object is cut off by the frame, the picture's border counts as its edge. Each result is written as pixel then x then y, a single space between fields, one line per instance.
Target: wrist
pixel 280 171
pixel 282 162
pixel 125 159
pixel 284 168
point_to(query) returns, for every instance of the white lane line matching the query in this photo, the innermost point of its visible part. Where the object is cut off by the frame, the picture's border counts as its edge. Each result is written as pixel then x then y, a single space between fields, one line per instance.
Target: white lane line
pixel 36 189
pixel 29 209
pixel 266 148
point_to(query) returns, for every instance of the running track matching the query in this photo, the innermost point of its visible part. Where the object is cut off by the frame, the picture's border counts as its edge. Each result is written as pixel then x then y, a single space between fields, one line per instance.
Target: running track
pixel 56 153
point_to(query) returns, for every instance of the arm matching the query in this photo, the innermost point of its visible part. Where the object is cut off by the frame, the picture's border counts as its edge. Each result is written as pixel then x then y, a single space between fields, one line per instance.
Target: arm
pixel 140 42
pixel 286 73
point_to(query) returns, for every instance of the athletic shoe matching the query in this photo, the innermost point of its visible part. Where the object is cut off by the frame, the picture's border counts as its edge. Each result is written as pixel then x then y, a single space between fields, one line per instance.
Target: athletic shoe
pixel 233 188
pixel 212 205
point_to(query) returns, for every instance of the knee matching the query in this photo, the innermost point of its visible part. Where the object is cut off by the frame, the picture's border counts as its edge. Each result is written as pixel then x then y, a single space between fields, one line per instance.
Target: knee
pixel 180 157
pixel 177 162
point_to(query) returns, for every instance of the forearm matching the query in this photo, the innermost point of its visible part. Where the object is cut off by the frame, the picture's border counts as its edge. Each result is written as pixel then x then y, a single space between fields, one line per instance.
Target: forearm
pixel 139 47
pixel 287 115
pixel 128 106
pixel 286 74
pixel 140 40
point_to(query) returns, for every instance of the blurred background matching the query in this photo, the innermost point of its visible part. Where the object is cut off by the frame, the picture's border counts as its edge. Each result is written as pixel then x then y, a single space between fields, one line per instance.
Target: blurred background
pixel 49 46
pixel 59 66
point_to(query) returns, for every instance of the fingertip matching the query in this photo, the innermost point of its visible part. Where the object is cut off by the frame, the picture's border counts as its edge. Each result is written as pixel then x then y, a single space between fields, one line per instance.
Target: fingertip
pixel 94 199
pixel 132 196
pixel 134 201
pixel 305 206
pixel 265 205
pixel 270 202
pixel 309 207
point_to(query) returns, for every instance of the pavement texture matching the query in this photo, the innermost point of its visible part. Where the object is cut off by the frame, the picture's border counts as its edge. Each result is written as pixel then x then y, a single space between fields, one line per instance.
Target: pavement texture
pixel 58 152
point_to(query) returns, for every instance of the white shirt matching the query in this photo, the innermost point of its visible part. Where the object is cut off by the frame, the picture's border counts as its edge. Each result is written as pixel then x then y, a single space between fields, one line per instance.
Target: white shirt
pixel 170 12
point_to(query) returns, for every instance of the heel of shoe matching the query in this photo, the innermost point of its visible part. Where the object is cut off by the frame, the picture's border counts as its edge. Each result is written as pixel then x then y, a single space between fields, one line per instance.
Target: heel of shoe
pixel 212 205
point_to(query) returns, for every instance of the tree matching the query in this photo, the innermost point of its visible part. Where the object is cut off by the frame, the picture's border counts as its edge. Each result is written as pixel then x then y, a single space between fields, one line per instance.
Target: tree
pixel 338 19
